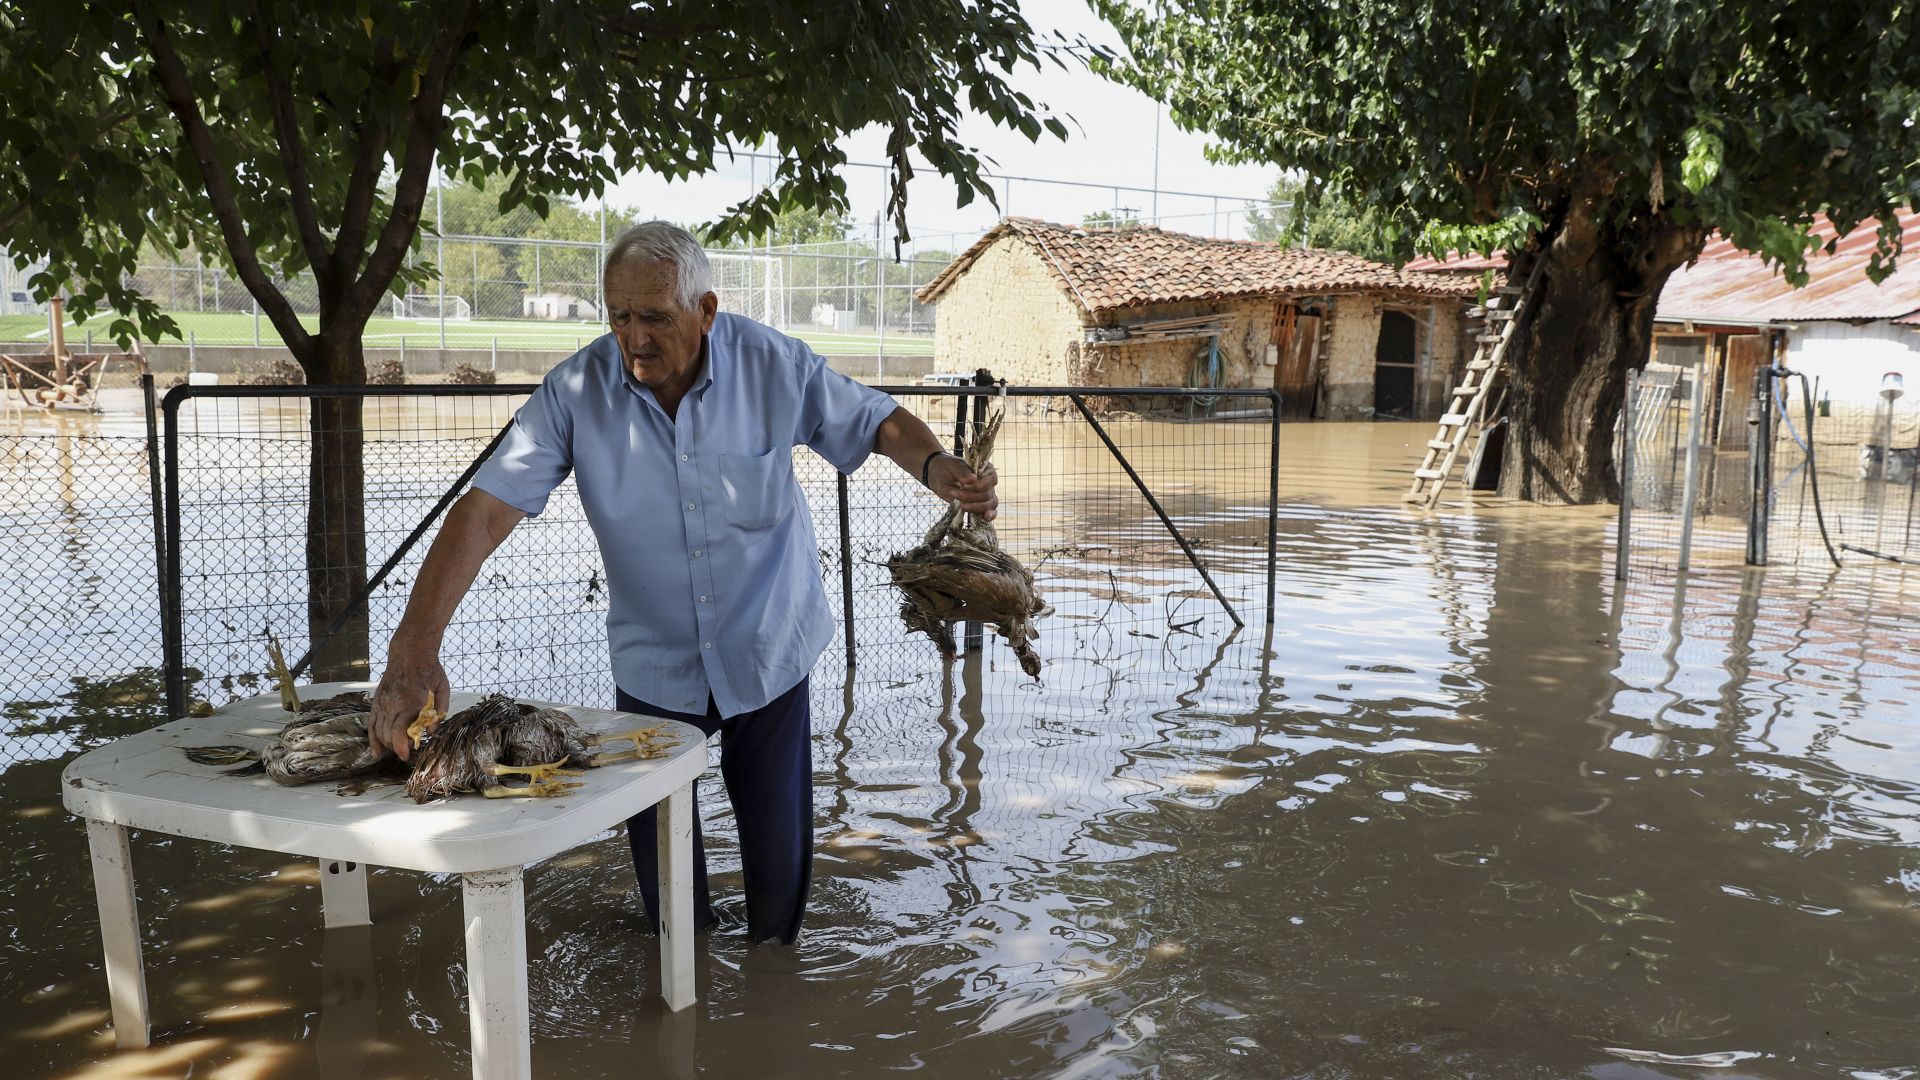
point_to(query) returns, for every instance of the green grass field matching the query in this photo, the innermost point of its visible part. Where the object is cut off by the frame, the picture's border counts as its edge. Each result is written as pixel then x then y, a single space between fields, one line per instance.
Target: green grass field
pixel 222 328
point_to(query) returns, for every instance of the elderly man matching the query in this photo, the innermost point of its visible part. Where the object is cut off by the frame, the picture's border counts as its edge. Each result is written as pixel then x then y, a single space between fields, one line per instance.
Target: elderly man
pixel 678 428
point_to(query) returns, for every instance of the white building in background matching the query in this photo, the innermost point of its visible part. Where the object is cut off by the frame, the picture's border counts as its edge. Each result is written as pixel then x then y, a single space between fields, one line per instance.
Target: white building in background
pixel 555 305
pixel 16 296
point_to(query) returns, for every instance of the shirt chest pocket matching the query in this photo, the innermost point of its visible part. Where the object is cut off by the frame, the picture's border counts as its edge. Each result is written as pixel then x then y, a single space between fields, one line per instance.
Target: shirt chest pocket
pixel 754 488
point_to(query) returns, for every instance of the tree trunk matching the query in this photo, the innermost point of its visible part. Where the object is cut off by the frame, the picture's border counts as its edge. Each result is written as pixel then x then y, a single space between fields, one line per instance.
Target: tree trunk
pixel 1589 320
pixel 336 511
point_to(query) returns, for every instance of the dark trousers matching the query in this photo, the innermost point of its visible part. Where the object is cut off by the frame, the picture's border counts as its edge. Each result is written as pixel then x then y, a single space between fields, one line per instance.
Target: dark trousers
pixel 767 763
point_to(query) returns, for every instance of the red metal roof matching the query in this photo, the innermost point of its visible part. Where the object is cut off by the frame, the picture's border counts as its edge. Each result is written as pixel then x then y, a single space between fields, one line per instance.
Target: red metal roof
pixel 1104 269
pixel 1729 286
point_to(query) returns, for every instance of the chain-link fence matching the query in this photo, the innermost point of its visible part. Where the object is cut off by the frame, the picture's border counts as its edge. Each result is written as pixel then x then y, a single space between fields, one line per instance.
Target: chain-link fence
pixel 1117 513
pixel 1142 524
pixel 845 298
pixel 79 616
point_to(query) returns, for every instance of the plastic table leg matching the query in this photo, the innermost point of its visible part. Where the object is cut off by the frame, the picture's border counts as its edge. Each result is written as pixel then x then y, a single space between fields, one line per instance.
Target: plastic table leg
pixel 343 893
pixel 119 932
pixel 496 913
pixel 674 834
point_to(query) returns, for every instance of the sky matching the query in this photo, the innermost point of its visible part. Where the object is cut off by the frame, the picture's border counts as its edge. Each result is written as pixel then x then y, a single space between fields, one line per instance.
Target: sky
pixel 1110 141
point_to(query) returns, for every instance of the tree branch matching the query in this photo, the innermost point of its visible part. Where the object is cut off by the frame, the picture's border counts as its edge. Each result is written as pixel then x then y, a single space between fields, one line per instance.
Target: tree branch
pixel 416 167
pixel 178 91
pixel 349 243
pixel 293 154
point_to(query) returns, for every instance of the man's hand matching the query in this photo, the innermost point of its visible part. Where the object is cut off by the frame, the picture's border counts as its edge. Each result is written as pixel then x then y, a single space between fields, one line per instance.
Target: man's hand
pixel 950 478
pixel 412 673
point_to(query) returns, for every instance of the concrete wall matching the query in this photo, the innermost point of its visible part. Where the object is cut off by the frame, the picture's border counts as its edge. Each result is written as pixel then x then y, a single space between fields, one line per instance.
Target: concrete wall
pixel 1009 314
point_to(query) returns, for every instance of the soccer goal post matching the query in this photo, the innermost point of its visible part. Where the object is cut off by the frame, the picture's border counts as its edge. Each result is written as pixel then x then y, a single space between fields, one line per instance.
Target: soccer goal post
pixel 428 307
pixel 750 285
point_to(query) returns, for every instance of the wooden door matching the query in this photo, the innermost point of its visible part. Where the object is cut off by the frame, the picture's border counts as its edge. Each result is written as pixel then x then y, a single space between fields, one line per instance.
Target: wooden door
pixel 1297 373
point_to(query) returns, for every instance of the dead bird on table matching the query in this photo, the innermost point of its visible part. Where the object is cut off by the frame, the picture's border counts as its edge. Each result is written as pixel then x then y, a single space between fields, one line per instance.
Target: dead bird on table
pixel 958 573
pixel 473 749
pixel 326 740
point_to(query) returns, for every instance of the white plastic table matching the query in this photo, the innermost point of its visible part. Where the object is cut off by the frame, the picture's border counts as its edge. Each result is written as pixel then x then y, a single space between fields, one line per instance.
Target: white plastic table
pixel 146 782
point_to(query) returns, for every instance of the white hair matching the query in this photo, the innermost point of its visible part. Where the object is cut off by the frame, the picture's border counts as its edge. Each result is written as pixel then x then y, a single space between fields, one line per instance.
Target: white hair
pixel 663 241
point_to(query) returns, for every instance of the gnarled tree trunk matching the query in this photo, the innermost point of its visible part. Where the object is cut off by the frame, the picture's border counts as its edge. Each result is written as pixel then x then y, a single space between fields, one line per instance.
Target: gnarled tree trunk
pixel 336 510
pixel 1589 320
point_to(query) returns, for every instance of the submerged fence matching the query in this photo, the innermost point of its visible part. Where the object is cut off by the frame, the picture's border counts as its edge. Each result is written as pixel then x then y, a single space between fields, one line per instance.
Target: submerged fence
pixel 1144 513
pixel 1775 475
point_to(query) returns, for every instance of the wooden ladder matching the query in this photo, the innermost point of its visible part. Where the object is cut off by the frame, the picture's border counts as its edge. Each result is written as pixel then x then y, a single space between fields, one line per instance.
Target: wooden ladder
pixel 1468 413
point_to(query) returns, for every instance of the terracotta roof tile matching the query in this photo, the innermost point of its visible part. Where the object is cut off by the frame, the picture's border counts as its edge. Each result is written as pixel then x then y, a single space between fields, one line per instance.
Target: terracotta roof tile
pixel 1105 269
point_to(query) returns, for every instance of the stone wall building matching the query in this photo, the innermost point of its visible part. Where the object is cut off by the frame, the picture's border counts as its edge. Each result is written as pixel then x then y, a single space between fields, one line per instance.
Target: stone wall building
pixel 1341 337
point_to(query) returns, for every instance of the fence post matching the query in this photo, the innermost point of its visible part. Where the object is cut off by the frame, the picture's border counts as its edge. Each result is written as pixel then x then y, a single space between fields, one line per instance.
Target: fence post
pixel 846 568
pixel 1622 540
pixel 493 356
pixel 256 322
pixel 982 378
pixel 1759 465
pixel 440 259
pixel 1273 503
pixel 880 280
pixel 172 634
pixel 193 353
pixel 1690 483
pixel 169 644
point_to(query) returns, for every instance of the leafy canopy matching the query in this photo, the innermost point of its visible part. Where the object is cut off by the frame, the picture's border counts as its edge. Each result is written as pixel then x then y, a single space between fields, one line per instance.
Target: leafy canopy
pixel 295 136
pixel 1474 124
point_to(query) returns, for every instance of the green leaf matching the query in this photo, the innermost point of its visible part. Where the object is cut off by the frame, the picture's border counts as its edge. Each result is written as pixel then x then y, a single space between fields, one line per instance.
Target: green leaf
pixel 1704 158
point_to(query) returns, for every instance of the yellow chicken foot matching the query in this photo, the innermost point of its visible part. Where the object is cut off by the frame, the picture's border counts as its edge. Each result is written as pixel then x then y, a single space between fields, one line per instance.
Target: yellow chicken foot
pixel 277 667
pixel 551 789
pixel 648 742
pixel 535 773
pixel 424 722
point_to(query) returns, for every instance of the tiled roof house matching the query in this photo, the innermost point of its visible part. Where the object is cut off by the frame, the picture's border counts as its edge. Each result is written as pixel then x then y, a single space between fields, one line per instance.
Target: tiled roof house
pixel 1340 336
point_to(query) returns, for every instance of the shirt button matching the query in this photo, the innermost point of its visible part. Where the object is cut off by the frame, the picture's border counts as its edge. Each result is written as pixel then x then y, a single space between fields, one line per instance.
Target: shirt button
pixel 707 645
pixel 703 599
pixel 689 506
pixel 696 553
pixel 683 457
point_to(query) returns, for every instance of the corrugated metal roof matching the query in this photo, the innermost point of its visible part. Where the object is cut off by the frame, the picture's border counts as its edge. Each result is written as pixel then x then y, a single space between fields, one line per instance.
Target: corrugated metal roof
pixel 1105 269
pixel 1729 286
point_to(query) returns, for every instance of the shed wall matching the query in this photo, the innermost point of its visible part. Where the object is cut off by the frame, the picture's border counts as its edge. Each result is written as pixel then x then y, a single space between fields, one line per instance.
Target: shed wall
pixel 1850 360
pixel 1009 314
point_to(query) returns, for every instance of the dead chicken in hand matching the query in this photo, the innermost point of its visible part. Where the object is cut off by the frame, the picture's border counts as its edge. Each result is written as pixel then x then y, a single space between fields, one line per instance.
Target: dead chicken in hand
pixel 479 748
pixel 958 573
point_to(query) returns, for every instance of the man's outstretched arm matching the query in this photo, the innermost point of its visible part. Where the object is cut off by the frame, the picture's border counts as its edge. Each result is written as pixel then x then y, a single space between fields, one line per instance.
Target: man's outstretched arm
pixel 907 439
pixel 474 528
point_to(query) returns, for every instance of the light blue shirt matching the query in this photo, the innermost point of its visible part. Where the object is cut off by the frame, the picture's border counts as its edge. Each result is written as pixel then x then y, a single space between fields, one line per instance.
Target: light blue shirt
pixel 713 573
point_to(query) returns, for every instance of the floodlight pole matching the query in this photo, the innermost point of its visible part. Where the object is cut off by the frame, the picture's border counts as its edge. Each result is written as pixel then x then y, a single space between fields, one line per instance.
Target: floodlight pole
pixel 440 256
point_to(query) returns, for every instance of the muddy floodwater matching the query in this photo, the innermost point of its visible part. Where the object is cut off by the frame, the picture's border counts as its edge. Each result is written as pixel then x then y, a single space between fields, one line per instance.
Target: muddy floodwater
pixel 1469 807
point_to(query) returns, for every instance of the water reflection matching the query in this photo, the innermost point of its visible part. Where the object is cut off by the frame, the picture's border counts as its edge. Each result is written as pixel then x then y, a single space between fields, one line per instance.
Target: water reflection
pixel 1467 807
